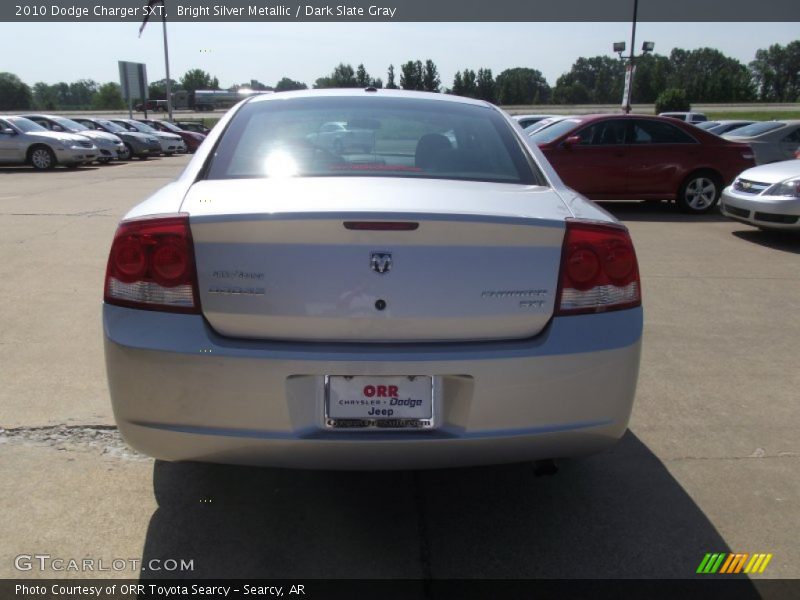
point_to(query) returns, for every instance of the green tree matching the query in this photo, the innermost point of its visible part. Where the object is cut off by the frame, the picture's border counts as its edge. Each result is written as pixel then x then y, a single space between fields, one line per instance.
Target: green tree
pixel 411 75
pixel 109 97
pixel 14 94
pixel 197 79
pixel 430 77
pixel 157 90
pixel 343 76
pixel 776 73
pixel 708 75
pixel 458 85
pixel 469 82
pixel 286 84
pixel 595 80
pixel 672 100
pixel 390 84
pixel 81 93
pixel 362 77
pixel 45 97
pixel 651 78
pixel 485 84
pixel 522 86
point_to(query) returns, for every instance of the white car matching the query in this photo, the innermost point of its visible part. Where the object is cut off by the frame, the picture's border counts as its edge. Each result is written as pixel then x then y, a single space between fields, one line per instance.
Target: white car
pixel 170 143
pixel 689 117
pixel 432 304
pixel 342 137
pixel 24 142
pixel 526 121
pixel 545 123
pixel 767 197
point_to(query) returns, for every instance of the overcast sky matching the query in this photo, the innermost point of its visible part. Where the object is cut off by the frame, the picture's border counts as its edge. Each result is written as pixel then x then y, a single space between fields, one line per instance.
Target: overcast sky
pixel 238 52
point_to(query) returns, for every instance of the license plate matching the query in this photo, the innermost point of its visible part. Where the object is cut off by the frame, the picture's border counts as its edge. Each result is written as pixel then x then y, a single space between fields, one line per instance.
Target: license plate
pixel 388 402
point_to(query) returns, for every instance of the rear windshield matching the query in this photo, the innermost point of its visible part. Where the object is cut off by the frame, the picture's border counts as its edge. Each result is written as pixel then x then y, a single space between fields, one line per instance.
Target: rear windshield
pixel 370 136
pixel 756 128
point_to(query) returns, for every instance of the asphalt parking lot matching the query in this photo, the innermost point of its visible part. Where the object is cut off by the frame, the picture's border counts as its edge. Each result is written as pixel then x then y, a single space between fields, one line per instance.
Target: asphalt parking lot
pixel 710 464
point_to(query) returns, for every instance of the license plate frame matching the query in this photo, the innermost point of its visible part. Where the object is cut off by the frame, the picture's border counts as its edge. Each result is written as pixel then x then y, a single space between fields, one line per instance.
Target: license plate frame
pixel 353 415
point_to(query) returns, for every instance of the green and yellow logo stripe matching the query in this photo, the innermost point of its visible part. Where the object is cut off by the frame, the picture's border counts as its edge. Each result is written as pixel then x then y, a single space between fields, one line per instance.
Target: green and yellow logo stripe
pixel 733 562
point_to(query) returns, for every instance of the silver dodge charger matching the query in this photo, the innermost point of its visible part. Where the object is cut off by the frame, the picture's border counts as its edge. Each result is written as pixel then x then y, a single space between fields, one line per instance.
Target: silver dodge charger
pixel 440 299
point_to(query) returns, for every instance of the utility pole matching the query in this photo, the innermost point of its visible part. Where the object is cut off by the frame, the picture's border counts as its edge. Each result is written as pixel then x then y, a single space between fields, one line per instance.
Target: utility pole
pixel 619 48
pixel 166 64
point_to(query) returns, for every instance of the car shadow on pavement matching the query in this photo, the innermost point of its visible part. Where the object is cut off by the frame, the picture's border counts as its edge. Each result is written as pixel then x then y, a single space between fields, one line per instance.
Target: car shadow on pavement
pixel 615 515
pixel 657 211
pixel 785 241
pixel 81 169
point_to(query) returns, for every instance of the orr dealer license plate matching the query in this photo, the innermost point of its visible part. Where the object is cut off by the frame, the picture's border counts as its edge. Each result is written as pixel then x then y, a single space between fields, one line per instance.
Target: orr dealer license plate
pixel 382 402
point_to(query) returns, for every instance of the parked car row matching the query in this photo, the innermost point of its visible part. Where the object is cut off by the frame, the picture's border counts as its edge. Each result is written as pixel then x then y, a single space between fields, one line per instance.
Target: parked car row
pixel 45 141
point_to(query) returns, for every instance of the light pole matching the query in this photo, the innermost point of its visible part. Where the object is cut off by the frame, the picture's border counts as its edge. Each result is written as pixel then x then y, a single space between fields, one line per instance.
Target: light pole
pixel 619 48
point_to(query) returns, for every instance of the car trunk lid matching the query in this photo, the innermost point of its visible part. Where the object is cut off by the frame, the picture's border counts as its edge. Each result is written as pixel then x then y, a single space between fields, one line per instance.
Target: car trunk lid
pixel 324 259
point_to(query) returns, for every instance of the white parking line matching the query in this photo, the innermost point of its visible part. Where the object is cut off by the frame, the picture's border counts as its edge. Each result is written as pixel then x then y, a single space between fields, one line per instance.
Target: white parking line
pixel 9 197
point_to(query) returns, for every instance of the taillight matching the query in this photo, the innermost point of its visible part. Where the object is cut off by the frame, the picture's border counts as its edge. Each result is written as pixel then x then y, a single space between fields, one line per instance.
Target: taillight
pixel 599 271
pixel 151 265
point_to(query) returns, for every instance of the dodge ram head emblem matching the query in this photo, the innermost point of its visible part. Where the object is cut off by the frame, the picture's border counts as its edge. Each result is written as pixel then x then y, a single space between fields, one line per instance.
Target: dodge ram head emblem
pixel 381 262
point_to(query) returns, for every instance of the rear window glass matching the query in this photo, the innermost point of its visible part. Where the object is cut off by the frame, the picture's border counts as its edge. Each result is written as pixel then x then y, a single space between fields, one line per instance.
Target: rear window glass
pixel 111 126
pixel 756 128
pixel 658 132
pixel 26 125
pixel 370 136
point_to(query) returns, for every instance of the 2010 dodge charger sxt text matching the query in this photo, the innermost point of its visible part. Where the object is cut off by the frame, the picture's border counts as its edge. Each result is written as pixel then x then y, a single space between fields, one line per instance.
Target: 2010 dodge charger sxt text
pixel 438 299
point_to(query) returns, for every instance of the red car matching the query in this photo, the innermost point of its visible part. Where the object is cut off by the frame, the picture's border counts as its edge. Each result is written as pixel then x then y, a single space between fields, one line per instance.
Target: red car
pixel 192 139
pixel 618 157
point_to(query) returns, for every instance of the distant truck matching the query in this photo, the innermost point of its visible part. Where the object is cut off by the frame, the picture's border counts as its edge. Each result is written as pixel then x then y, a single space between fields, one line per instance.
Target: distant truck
pixel 222 99
pixel 200 100
pixel 152 105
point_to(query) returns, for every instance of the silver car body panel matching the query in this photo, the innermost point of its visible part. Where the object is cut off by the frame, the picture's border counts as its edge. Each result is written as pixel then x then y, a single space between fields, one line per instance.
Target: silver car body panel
pixel 497 247
pixel 67 147
pixel 182 392
pixel 198 387
pixel 770 147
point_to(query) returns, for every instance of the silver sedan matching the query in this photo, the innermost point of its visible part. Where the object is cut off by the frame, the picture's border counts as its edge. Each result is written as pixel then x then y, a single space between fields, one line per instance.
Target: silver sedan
pixel 767 197
pixel 771 141
pixel 444 300
pixel 24 142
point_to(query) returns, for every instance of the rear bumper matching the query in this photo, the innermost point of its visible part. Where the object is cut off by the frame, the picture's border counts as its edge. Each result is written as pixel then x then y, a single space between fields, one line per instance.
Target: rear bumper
pixel 181 392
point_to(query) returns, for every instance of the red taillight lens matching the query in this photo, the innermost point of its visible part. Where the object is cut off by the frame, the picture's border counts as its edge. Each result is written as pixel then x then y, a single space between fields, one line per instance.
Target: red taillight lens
pixel 151 265
pixel 599 271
